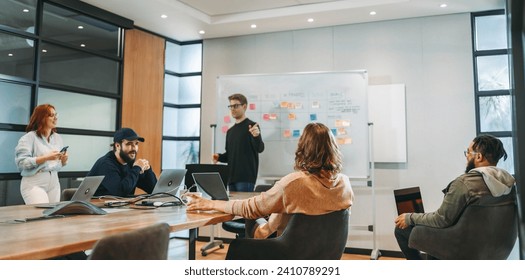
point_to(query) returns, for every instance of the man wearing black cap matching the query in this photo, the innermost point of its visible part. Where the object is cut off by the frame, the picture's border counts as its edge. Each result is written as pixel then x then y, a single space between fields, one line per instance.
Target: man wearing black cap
pixel 122 169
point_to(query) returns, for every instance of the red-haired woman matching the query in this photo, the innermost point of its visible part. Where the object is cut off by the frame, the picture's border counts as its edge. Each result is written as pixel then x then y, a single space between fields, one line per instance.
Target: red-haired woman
pixel 38 158
pixel 317 187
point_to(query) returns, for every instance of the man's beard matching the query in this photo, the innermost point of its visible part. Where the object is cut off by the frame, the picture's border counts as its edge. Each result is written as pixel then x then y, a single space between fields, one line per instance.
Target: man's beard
pixel 470 165
pixel 124 156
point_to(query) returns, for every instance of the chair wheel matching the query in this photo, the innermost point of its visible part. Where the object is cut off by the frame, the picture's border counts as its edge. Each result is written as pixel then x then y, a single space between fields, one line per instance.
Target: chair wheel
pixel 204 254
pixel 221 246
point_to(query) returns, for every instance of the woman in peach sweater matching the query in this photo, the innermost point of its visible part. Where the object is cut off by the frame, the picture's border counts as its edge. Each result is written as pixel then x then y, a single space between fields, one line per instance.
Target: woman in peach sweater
pixel 316 187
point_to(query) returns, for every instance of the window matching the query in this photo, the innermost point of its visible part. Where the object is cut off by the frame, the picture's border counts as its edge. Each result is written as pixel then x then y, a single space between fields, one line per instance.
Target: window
pixel 182 104
pixel 57 54
pixel 491 78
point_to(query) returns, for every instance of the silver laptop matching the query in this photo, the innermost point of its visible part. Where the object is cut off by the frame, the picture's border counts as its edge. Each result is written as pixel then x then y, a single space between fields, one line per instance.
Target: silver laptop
pixel 211 183
pixel 169 181
pixel 85 192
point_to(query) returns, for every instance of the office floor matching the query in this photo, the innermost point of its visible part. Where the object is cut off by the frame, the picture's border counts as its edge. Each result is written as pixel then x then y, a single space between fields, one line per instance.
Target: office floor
pixel 179 251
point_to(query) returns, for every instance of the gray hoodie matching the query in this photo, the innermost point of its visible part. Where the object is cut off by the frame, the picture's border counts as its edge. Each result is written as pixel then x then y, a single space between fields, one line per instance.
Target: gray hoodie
pixel 498 180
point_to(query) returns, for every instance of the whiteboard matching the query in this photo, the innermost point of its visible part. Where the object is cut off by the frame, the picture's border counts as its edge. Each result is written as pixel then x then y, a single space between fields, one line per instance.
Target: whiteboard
pixel 283 104
pixel 387 111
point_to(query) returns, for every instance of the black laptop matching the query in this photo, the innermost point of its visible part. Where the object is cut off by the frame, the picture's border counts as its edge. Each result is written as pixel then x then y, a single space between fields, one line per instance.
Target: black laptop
pixel 211 183
pixel 408 200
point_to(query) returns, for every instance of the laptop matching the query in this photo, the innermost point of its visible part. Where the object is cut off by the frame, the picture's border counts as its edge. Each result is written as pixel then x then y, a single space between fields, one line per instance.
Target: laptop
pixel 84 192
pixel 169 181
pixel 408 200
pixel 211 183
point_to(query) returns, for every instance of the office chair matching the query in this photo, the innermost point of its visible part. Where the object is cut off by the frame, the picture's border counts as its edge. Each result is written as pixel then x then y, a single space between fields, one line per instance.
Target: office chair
pixel 238 226
pixel 67 194
pixel 306 237
pixel 481 233
pixel 149 243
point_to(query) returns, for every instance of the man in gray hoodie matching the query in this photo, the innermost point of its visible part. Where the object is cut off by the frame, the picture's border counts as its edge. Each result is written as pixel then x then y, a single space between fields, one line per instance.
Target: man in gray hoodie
pixel 482 184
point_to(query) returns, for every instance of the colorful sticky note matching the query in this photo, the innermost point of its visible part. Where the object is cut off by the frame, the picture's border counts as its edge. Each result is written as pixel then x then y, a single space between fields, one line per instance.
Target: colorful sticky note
pixel 341 131
pixel 315 104
pixel 284 104
pixel 313 117
pixel 227 119
pixel 296 133
pixel 291 116
pixel 334 131
pixel 344 141
pixel 252 106
pixel 266 117
pixel 298 105
pixel 273 116
pixel 341 123
pixel 225 128
pixel 286 133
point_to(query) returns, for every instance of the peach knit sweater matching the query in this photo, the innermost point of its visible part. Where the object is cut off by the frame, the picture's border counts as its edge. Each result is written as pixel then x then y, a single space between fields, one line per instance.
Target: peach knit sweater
pixel 297 192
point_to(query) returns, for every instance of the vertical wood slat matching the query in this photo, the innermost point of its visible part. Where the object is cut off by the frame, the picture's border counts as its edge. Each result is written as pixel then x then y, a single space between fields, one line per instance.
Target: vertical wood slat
pixel 143 92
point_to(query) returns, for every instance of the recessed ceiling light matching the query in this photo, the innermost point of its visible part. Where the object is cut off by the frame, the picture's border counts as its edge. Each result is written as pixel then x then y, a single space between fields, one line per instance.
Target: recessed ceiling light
pixel 310 20
pixel 10 54
pixel 253 26
pixel 202 32
pixel 164 16
pixel 44 51
pixel 25 10
pixel 82 45
pixel 443 5
pixel 373 13
pixel 80 27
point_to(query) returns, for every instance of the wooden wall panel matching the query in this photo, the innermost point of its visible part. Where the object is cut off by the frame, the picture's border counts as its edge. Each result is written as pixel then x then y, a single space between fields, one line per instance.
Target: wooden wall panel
pixel 143 91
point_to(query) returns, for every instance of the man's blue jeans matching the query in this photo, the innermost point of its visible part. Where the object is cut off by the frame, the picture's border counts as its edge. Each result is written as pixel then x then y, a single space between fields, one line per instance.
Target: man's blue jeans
pixel 241 187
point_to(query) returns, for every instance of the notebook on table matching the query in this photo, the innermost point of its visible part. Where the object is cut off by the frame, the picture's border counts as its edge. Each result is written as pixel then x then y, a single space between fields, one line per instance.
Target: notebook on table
pixel 408 200
pixel 169 181
pixel 211 183
pixel 85 192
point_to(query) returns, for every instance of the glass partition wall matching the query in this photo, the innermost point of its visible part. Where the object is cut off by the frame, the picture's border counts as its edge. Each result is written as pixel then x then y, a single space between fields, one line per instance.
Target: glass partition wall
pixel 51 53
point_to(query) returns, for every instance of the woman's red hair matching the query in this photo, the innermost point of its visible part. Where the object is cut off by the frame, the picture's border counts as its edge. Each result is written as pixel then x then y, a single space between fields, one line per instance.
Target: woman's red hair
pixel 38 119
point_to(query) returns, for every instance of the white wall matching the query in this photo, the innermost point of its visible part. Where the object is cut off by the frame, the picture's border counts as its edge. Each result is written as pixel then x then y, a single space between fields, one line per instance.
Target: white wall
pixel 432 56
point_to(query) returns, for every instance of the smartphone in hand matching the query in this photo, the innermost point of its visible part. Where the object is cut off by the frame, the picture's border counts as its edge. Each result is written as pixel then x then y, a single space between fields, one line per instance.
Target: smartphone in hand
pixel 64 149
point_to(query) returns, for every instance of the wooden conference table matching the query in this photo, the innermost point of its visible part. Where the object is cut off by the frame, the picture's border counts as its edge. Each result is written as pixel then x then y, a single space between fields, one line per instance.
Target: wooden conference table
pixel 43 239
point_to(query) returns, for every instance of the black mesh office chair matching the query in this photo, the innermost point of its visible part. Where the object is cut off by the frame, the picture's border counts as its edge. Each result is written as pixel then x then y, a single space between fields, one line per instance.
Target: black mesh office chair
pixel 238 226
pixel 149 243
pixel 306 237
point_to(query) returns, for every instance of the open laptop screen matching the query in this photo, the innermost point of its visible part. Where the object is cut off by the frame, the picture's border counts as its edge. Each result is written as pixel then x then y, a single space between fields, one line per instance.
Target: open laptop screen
pixel 211 183
pixel 408 200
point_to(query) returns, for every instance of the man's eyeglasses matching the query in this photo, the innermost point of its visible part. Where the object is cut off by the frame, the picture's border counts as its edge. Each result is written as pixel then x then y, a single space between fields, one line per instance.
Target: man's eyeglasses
pixel 234 106
pixel 466 153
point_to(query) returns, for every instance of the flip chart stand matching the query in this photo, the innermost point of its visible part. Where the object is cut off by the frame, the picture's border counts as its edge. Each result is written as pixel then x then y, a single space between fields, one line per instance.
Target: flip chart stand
pixel 375 251
pixel 213 243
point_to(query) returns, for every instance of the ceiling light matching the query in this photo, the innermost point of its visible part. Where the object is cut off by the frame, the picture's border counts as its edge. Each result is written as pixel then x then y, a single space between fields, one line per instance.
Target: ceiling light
pixel 82 45
pixel 202 32
pixel 253 26
pixel 164 16
pixel 44 51
pixel 372 13
pixel 443 5
pixel 80 27
pixel 10 54
pixel 25 10
pixel 310 20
